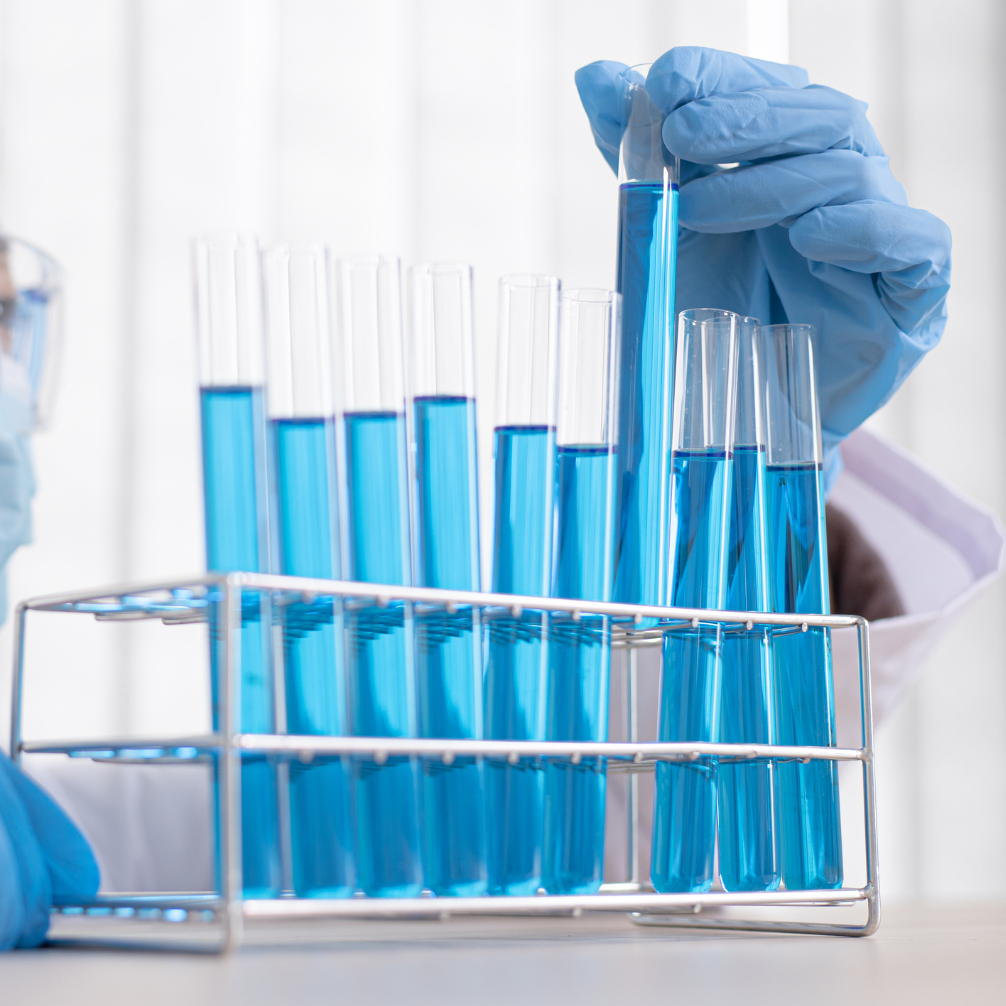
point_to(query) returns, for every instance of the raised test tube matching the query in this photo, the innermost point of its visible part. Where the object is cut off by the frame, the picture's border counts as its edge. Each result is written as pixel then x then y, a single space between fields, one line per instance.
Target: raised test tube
pixel 524 518
pixel 746 830
pixel 302 426
pixel 579 649
pixel 446 537
pixel 228 301
pixel 684 808
pixel 647 257
pixel 810 835
pixel 371 438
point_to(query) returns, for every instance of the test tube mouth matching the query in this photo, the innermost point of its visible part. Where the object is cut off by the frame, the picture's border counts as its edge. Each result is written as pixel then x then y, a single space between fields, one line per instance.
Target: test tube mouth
pixel 588 295
pixel 530 280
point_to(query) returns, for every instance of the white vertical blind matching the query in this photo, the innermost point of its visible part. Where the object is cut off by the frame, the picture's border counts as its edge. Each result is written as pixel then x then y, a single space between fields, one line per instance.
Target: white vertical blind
pixel 445 130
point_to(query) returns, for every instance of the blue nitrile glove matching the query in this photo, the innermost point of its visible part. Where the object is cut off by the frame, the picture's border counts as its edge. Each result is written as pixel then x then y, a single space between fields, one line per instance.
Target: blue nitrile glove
pixel 811 228
pixel 44 859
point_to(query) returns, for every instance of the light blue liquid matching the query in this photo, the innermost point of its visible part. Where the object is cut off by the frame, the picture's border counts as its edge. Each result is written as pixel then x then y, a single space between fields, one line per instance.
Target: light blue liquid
pixel 515 668
pixel 234 476
pixel 448 650
pixel 379 655
pixel 579 658
pixel 748 859
pixel 684 814
pixel 321 821
pixel 647 256
pixel 810 834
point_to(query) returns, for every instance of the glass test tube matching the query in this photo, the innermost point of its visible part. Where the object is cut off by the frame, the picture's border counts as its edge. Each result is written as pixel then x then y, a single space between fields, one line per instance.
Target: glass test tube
pixel 579 651
pixel 302 440
pixel 516 668
pixel 746 830
pixel 647 260
pixel 684 815
pixel 231 377
pixel 448 644
pixel 810 837
pixel 379 654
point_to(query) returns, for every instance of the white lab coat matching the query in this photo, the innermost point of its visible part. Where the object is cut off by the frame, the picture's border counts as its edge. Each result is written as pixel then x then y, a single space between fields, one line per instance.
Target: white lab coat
pixel 150 826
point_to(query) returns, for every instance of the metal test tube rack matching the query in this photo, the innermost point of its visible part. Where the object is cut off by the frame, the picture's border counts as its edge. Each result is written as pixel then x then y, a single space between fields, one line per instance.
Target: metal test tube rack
pixel 189 600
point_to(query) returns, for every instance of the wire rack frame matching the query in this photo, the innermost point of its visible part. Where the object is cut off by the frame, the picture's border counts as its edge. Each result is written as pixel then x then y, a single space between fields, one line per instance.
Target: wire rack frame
pixel 189 600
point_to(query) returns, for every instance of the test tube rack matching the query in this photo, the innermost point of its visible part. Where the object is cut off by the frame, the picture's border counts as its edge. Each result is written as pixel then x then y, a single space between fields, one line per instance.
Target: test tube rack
pixel 190 600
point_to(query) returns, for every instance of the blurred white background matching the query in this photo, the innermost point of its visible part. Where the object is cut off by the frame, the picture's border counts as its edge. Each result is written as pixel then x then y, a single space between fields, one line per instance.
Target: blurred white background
pixel 446 129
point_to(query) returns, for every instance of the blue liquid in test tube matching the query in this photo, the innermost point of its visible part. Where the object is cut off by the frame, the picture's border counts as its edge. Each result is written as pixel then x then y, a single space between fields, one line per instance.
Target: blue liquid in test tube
pixel 810 834
pixel 684 811
pixel 232 410
pixel 233 429
pixel 389 862
pixel 321 820
pixel 515 675
pixel 448 659
pixel 684 828
pixel 579 668
pixel 748 859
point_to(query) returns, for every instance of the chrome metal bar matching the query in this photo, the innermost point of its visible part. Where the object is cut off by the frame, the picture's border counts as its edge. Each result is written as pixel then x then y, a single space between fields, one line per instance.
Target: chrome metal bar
pixel 869 779
pixel 229 770
pixel 633 802
pixel 386 593
pixel 17 683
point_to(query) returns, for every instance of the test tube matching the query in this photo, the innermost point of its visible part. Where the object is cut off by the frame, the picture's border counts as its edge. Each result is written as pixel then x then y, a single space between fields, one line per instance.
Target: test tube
pixel 647 261
pixel 446 537
pixel 524 517
pixel 746 829
pixel 810 837
pixel 228 302
pixel 684 809
pixel 302 438
pixel 579 649
pixel 371 446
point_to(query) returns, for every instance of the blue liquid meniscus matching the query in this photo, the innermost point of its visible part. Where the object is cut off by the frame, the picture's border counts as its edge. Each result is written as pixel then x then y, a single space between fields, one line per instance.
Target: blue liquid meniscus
pixel 684 809
pixel 234 486
pixel 516 671
pixel 748 857
pixel 448 644
pixel 810 835
pixel 579 659
pixel 647 258
pixel 379 655
pixel 321 820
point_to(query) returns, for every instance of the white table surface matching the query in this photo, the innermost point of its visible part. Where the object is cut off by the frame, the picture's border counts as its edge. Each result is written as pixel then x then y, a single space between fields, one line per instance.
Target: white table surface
pixel 948 955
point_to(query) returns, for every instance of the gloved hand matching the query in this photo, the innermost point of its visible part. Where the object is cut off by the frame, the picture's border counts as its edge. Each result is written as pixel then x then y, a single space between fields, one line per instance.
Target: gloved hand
pixel 44 859
pixel 810 228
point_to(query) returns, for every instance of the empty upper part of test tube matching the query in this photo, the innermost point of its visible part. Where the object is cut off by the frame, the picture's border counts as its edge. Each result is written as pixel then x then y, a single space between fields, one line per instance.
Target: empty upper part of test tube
pixel 643 156
pixel 298 331
pixel 705 380
pixel 228 307
pixel 793 421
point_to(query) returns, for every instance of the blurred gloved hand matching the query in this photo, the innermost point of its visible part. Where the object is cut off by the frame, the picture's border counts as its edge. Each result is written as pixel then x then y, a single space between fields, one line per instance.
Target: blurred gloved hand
pixel 44 859
pixel 811 227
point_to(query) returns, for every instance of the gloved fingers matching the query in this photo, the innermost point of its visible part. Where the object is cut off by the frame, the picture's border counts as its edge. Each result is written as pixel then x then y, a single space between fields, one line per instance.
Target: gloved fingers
pixel 601 87
pixel 34 886
pixel 907 249
pixel 73 870
pixel 778 192
pixel 769 122
pixel 687 73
